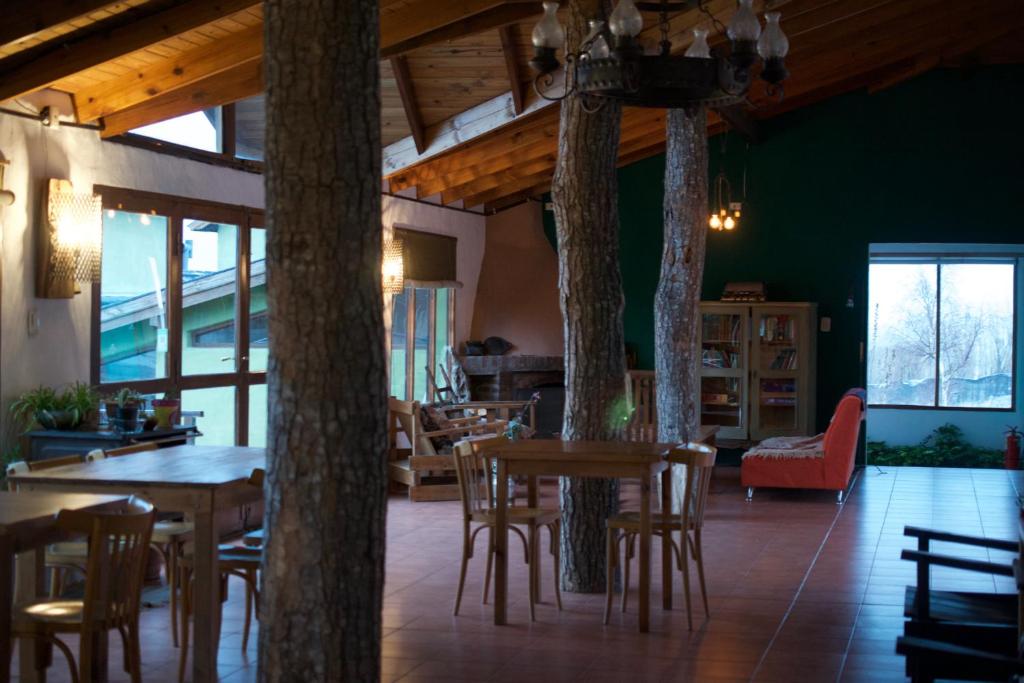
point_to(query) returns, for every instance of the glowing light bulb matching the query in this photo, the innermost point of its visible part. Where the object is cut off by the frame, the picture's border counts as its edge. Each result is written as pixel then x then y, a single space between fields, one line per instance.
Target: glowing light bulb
pixel 729 223
pixel 715 222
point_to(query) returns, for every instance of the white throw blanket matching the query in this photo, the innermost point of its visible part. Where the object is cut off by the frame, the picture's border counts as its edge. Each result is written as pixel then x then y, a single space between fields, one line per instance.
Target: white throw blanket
pixel 789 447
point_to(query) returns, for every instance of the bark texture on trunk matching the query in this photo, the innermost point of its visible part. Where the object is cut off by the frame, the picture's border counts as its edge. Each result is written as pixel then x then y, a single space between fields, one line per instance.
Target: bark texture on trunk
pixel 585 194
pixel 677 301
pixel 326 486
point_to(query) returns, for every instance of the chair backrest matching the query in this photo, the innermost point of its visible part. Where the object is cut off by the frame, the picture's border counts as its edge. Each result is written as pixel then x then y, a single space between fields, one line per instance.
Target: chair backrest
pixel 699 461
pixel 844 429
pixel 51 463
pixel 643 424
pixel 19 467
pixel 128 450
pixel 257 477
pixel 408 415
pixel 118 553
pixel 95 454
pixel 472 466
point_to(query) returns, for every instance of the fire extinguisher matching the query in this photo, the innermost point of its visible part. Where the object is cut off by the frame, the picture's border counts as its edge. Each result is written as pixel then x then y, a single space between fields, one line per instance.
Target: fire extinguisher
pixel 1012 459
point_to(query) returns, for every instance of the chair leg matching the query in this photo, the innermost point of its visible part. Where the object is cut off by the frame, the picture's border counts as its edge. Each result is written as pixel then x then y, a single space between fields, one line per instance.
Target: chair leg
pixel 750 493
pixel 531 570
pixel 126 651
pixel 490 560
pixel 68 655
pixel 186 610
pixel 628 556
pixel 684 548
pixel 133 632
pixel 535 563
pixel 247 624
pixel 171 565
pixel 556 552
pixel 611 555
pixel 462 570
pixel 698 556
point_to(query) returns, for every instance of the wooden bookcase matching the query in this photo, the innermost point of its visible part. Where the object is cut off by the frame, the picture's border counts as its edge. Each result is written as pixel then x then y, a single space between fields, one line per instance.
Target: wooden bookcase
pixel 758 369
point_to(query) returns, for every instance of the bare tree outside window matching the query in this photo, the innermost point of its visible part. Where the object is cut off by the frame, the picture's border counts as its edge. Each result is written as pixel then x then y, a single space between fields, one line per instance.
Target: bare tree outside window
pixel 941 334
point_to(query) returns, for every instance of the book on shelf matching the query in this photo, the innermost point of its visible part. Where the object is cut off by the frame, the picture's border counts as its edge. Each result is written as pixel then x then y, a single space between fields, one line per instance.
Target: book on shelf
pixel 721 328
pixel 784 360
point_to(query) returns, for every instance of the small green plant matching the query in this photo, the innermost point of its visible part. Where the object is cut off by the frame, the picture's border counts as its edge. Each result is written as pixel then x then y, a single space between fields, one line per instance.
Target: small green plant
pixel 51 409
pixel 127 398
pixel 26 408
pixel 945 447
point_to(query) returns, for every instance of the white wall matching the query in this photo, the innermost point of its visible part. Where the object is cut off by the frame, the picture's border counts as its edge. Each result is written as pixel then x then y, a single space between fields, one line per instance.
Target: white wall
pixel 59 353
pixel 983 428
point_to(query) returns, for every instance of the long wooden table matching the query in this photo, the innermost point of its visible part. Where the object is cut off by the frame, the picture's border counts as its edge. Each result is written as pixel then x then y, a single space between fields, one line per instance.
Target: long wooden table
pixel 196 480
pixel 28 522
pixel 602 459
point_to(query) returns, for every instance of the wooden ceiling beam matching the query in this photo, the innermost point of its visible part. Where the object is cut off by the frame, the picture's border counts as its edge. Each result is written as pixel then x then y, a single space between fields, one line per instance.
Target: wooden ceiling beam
pixel 97 47
pixel 407 93
pixel 164 77
pixel 24 18
pixel 220 89
pixel 427 22
pixel 515 78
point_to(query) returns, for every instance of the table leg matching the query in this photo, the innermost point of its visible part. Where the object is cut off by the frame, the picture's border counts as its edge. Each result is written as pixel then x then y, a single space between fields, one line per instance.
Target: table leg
pixel 645 553
pixel 6 598
pixel 206 593
pixel 501 547
pixel 28 586
pixel 531 501
pixel 666 538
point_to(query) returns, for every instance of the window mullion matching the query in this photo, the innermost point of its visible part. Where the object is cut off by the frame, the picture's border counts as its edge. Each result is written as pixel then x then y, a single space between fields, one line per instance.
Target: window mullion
pixel 938 332
pixel 174 300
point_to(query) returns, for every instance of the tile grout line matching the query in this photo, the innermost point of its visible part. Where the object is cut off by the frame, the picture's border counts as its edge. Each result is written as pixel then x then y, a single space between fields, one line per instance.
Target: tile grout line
pixel 874 558
pixel 803 581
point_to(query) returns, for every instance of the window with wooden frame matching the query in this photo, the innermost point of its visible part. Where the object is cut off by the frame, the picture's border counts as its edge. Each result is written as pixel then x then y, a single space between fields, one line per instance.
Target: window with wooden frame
pixel 942 332
pixel 423 314
pixel 180 309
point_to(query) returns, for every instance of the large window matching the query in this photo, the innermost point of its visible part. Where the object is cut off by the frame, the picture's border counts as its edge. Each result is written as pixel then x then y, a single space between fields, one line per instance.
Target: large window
pixel 175 275
pixel 231 132
pixel 421 327
pixel 941 332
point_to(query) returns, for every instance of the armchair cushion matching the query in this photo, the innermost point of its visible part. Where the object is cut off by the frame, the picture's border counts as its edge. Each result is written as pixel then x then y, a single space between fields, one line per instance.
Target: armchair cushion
pixel 434 419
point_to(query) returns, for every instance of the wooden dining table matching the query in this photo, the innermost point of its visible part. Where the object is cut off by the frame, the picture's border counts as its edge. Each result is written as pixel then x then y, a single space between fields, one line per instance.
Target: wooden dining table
pixel 198 481
pixel 602 459
pixel 28 523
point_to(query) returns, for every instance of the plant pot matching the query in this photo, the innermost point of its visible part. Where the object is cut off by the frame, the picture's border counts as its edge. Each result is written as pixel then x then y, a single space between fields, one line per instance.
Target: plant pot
pixel 63 420
pixel 166 411
pixel 127 418
pixel 1012 457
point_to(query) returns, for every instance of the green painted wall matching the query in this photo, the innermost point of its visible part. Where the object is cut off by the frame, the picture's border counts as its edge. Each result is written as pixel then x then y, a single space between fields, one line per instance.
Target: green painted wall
pixel 936 159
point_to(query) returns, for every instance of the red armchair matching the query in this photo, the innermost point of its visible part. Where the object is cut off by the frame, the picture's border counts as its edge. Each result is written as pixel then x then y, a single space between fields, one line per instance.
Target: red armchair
pixel 821 462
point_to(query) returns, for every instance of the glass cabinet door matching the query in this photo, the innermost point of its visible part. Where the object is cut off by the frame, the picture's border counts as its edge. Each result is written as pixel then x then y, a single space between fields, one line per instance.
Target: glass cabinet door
pixel 779 356
pixel 723 383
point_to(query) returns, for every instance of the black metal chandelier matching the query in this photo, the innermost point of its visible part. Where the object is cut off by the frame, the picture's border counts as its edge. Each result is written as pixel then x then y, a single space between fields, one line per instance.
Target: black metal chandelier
pixel 611 64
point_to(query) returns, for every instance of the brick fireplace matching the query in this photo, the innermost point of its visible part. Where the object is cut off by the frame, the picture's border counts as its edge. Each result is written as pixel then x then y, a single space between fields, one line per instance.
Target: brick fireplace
pixel 508 378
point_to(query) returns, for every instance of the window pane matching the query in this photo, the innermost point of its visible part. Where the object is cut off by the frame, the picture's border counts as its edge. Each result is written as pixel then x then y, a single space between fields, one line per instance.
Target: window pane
pixel 422 345
pixel 133 297
pixel 250 123
pixel 258 415
pixel 976 335
pixel 209 252
pixel 442 298
pixel 399 323
pixel 200 130
pixel 258 333
pixel 218 421
pixel 901 334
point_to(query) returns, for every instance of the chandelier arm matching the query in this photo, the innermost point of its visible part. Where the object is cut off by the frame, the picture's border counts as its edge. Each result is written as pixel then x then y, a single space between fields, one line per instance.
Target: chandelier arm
pixel 584 98
pixel 548 80
pixel 719 26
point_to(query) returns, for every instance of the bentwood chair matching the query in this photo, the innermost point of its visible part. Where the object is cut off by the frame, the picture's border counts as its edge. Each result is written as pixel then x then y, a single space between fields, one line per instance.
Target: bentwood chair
pixel 476 490
pixel 242 562
pixel 118 547
pixel 698 460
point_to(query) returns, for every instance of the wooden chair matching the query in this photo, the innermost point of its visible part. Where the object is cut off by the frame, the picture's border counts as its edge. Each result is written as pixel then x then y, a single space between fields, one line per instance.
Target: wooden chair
pixel 699 461
pixel 428 473
pixel 643 423
pixel 113 583
pixel 243 562
pixel 473 469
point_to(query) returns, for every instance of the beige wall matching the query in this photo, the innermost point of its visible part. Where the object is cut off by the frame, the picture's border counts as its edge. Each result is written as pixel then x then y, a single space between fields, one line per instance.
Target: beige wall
pixel 59 352
pixel 517 297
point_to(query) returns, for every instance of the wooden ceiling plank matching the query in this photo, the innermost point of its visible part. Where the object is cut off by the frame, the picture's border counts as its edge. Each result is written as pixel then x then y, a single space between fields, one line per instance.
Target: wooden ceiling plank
pixel 515 77
pixel 400 69
pixel 192 66
pixel 96 48
pixel 222 88
pixel 25 18
pixel 435 21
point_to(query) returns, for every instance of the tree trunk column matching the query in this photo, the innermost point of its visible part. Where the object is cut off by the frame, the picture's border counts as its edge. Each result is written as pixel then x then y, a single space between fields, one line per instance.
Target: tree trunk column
pixel 677 302
pixel 326 486
pixel 585 194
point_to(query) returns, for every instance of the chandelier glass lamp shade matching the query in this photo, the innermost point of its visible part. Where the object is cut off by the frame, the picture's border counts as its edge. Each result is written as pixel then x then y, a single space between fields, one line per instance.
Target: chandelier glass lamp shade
pixel 611 63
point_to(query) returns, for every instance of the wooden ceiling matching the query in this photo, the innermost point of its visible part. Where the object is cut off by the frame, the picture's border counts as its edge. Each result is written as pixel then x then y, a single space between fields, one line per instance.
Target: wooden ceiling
pixel 459 119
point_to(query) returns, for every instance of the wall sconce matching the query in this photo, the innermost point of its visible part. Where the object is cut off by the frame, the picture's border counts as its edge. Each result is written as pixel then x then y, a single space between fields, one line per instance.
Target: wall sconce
pixel 393 266
pixel 72 241
pixel 6 196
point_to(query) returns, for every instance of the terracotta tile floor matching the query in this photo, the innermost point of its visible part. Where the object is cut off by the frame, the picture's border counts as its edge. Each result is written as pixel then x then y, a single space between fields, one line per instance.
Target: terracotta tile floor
pixel 800 590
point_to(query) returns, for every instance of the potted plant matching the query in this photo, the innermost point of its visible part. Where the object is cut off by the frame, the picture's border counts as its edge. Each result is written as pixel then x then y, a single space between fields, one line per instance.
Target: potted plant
pixel 1012 458
pixel 49 409
pixel 126 415
pixel 83 400
pixel 166 410
pixel 33 407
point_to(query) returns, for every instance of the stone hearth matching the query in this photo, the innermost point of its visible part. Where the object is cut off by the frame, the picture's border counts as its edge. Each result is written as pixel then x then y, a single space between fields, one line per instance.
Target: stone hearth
pixel 509 378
